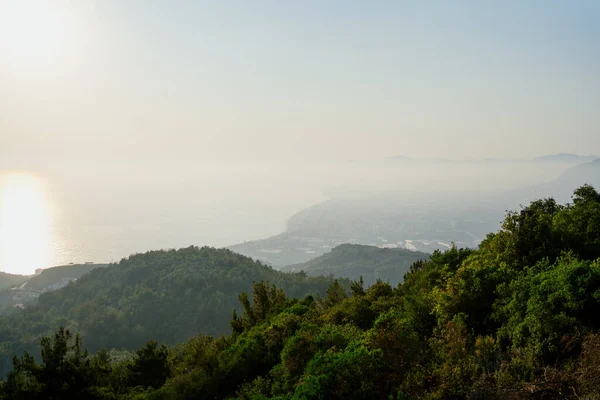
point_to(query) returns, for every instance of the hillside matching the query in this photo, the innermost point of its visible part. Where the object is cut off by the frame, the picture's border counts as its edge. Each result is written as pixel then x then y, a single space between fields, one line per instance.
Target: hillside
pixel 561 187
pixel 420 221
pixel 8 280
pixel 424 222
pixel 566 158
pixel 56 277
pixel 353 261
pixel 516 318
pixel 31 287
pixel 169 296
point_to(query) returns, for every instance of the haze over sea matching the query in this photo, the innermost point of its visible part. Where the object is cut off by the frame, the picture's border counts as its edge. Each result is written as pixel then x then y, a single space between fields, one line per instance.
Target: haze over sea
pixel 110 211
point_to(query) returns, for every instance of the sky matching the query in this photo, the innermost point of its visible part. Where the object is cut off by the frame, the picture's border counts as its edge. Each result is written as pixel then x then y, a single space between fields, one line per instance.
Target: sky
pixel 241 81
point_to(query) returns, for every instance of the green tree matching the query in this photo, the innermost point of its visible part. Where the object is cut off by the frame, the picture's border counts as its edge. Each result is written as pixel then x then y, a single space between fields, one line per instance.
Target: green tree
pixel 63 372
pixel 150 366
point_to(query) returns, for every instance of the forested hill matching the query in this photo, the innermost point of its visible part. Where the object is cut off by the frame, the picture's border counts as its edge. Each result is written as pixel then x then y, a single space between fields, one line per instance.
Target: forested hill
pixel 353 261
pixel 168 296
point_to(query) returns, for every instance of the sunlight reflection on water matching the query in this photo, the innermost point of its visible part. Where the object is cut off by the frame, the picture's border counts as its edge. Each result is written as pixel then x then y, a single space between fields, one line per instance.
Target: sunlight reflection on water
pixel 47 221
pixel 25 220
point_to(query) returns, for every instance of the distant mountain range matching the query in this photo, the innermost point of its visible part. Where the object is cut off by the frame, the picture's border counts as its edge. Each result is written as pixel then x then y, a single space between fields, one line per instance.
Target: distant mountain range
pixel 353 261
pixel 565 158
pixel 562 188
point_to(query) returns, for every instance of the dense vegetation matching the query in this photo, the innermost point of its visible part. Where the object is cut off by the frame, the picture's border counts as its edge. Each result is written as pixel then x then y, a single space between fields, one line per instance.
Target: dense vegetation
pixel 354 260
pixel 168 296
pixel 8 280
pixel 515 319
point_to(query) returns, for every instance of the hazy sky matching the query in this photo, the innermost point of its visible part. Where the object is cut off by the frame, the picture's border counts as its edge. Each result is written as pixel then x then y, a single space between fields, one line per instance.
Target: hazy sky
pixel 304 80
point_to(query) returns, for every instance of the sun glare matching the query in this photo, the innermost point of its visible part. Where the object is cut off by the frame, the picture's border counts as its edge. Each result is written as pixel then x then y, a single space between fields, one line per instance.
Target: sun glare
pixel 24 222
pixel 35 34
